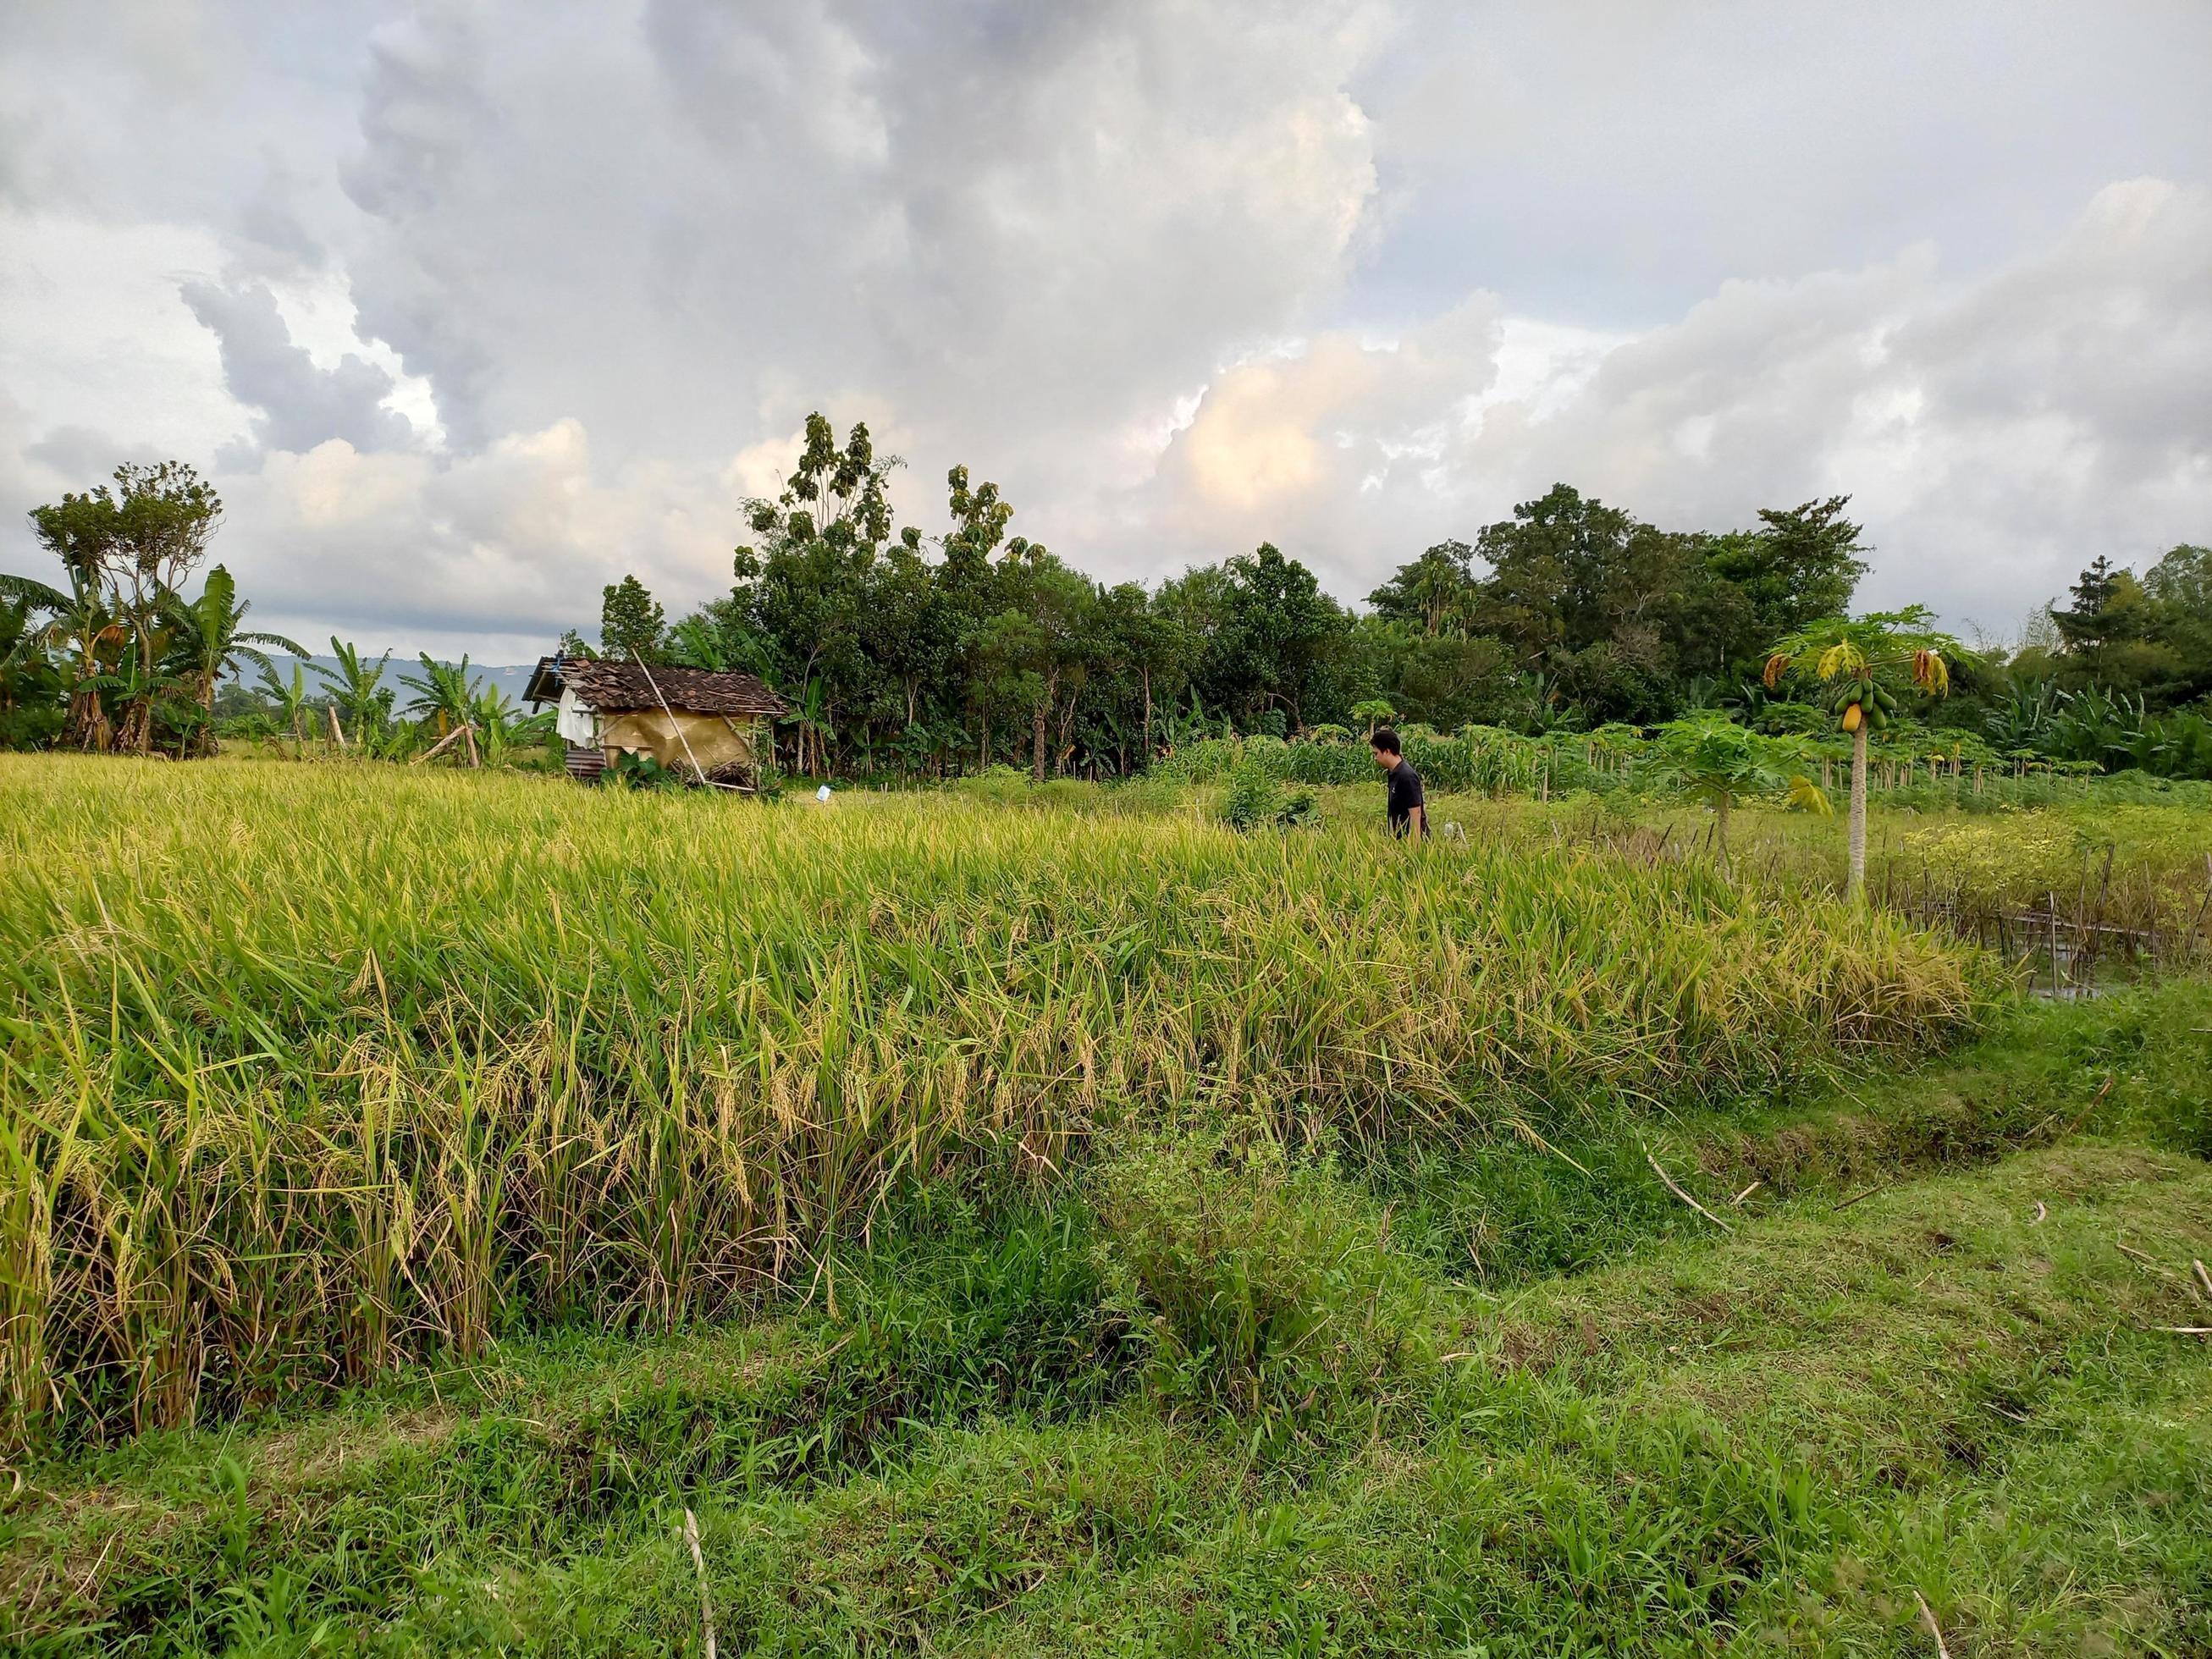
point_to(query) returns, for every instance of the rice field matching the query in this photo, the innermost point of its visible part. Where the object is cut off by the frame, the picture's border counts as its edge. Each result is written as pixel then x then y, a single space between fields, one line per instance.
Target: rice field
pixel 307 1071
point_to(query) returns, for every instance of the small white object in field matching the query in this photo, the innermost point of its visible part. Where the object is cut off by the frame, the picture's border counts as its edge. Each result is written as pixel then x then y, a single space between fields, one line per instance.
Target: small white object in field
pixel 1452 828
pixel 822 794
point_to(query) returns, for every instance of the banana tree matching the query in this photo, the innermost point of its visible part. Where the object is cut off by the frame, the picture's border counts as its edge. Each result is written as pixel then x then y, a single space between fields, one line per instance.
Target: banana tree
pixel 144 693
pixel 24 669
pixel 90 639
pixel 815 733
pixel 290 697
pixel 356 686
pixel 207 641
pixel 1861 664
pixel 442 698
pixel 503 728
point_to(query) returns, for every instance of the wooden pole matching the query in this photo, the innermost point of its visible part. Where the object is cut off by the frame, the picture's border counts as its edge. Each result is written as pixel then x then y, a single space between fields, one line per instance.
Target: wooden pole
pixel 442 745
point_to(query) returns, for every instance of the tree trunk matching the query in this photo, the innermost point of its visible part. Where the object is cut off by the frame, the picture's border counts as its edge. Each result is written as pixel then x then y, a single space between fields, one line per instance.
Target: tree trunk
pixel 1146 749
pixel 1720 825
pixel 86 725
pixel 1037 737
pixel 1854 888
pixel 137 737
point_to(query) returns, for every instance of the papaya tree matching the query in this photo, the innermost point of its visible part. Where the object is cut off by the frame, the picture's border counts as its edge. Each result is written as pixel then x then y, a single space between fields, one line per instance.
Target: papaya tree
pixel 1861 664
pixel 1713 759
pixel 1375 711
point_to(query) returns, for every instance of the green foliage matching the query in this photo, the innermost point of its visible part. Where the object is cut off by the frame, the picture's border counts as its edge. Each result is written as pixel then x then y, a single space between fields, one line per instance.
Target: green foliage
pixel 1263 1283
pixel 1715 761
pixel 1113 1418
pixel 1569 614
pixel 357 689
pixel 444 699
pixel 1255 799
pixel 634 769
pixel 631 622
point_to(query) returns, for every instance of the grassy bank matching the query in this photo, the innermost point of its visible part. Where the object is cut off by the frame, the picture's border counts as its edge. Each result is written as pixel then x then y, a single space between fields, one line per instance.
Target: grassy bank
pixel 1218 1395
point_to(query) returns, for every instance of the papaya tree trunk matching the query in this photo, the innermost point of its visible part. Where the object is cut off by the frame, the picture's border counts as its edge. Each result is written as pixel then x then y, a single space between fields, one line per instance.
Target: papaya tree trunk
pixel 1855 889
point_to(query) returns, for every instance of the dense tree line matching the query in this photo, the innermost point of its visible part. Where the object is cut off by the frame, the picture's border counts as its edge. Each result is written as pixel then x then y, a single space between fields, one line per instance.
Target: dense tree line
pixel 985 646
pixel 916 654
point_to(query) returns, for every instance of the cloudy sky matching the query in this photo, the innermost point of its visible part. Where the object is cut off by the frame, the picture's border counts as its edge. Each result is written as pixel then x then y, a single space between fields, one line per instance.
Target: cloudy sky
pixel 470 308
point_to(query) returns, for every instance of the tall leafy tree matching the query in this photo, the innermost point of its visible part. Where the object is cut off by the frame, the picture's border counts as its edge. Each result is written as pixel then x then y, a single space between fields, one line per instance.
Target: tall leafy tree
pixel 1434 594
pixel 1802 563
pixel 138 542
pixel 2117 635
pixel 1596 597
pixel 1279 641
pixel 2180 586
pixel 631 622
pixel 802 585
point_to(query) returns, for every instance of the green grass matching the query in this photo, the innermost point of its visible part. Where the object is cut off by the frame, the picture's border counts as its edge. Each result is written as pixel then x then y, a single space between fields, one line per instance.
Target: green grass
pixel 1106 1422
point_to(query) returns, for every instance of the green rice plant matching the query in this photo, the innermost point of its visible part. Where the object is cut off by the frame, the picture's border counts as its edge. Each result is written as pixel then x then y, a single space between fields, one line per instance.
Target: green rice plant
pixel 306 1071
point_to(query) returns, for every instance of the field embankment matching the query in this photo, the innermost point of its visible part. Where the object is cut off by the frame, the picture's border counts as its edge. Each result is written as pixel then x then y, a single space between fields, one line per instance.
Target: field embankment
pixel 306 1071
pixel 1207 1397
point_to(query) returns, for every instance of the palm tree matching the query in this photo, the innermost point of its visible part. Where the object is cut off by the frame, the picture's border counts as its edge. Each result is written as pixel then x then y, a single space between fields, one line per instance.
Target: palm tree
pixel 1866 662
pixel 355 687
pixel 207 642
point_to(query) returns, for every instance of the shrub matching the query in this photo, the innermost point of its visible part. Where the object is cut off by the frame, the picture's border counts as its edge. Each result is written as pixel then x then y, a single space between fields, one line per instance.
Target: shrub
pixel 634 770
pixel 1263 1281
pixel 1254 798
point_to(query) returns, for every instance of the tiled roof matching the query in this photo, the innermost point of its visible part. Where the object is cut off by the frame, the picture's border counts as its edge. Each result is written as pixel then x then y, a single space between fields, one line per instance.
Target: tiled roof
pixel 613 687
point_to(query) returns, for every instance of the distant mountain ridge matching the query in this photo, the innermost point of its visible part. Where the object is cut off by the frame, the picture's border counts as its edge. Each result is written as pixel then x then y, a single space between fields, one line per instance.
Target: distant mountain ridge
pixel 510 677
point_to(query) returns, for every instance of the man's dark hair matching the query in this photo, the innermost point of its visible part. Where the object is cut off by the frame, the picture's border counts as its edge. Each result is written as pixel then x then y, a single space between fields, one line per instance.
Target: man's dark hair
pixel 1385 740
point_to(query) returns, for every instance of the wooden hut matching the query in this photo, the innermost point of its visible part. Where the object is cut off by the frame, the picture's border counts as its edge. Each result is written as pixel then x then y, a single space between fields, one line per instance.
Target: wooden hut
pixel 709 728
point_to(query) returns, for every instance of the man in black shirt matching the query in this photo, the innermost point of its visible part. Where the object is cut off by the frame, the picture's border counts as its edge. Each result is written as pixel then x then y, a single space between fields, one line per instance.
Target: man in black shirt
pixel 1405 805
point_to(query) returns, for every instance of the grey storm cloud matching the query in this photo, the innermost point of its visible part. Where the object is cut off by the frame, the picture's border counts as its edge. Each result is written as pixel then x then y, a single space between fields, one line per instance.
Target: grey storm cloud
pixel 563 280
pixel 300 404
